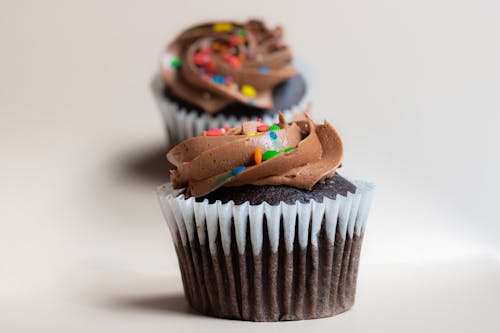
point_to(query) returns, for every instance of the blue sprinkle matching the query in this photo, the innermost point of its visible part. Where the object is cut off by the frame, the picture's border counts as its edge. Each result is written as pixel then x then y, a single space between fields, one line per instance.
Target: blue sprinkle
pixel 237 170
pixel 222 179
pixel 273 135
pixel 264 70
pixel 218 79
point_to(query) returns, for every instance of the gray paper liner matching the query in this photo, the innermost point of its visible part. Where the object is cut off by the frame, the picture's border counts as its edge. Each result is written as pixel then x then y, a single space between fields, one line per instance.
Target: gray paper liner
pixel 274 275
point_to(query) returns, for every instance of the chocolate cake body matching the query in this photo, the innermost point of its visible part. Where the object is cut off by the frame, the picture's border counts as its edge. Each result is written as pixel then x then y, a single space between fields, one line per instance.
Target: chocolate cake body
pixel 304 283
pixel 274 194
pixel 285 96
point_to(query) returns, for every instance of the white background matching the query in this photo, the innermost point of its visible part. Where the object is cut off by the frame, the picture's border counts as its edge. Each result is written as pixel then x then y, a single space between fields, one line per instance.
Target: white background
pixel 412 86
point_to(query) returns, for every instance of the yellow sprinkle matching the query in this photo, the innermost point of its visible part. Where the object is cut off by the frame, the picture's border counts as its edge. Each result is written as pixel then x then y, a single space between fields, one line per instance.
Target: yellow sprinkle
pixel 248 91
pixel 249 135
pixel 196 31
pixel 223 27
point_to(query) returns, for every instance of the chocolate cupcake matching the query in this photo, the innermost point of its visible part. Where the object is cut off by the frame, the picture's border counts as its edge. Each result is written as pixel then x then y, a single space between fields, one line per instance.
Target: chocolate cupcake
pixel 222 74
pixel 263 226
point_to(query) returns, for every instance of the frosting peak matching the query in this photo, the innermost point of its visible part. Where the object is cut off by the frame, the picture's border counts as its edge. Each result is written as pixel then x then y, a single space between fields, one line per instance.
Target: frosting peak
pixel 297 154
pixel 215 64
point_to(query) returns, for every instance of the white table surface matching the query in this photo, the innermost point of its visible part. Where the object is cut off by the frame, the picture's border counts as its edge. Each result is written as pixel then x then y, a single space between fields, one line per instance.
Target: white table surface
pixel 411 86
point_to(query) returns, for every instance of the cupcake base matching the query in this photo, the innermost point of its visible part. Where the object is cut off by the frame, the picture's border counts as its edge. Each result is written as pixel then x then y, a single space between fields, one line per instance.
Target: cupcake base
pixel 269 262
pixel 308 283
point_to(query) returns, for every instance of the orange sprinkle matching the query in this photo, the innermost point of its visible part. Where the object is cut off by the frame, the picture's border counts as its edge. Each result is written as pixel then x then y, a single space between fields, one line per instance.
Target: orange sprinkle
pixel 216 46
pixel 257 156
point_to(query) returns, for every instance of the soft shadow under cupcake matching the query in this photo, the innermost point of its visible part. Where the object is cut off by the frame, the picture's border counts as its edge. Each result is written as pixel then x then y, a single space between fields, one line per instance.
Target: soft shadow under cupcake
pixel 148 164
pixel 173 303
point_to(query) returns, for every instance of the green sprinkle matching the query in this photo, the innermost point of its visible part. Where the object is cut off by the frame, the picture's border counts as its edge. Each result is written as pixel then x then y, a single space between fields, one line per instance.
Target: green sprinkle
pixel 241 32
pixel 274 128
pixel 176 62
pixel 286 150
pixel 270 154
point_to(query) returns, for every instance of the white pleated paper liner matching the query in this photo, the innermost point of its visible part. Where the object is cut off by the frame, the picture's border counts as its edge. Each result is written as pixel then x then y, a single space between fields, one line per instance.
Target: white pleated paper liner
pixel 269 263
pixel 182 124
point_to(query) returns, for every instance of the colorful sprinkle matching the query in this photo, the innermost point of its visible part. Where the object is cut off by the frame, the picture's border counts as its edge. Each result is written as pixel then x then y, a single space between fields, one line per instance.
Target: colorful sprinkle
pixel 213 132
pixel 237 170
pixel 218 79
pixel 222 27
pixel 216 46
pixel 257 156
pixel 249 135
pixel 200 59
pixel 262 128
pixel 176 62
pixel 222 179
pixel 241 32
pixel 273 135
pixel 232 60
pixel 236 39
pixel 223 48
pixel 274 128
pixel 196 31
pixel 248 91
pixel 210 66
pixel 259 119
pixel 270 154
pixel 289 149
pixel 264 70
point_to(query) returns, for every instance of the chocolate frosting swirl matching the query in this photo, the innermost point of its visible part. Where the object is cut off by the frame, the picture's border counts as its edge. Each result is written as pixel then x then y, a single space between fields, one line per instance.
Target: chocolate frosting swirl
pixel 309 153
pixel 215 64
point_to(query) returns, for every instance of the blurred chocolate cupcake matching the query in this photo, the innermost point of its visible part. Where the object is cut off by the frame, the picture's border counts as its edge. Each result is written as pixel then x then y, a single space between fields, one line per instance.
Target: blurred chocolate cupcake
pixel 222 74
pixel 264 227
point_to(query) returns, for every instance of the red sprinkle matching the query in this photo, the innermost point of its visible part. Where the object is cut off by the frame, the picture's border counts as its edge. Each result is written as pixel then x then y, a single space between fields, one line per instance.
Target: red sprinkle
pixel 232 60
pixel 262 128
pixel 227 128
pixel 235 62
pixel 210 65
pixel 200 59
pixel 236 39
pixel 213 132
pixel 259 119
